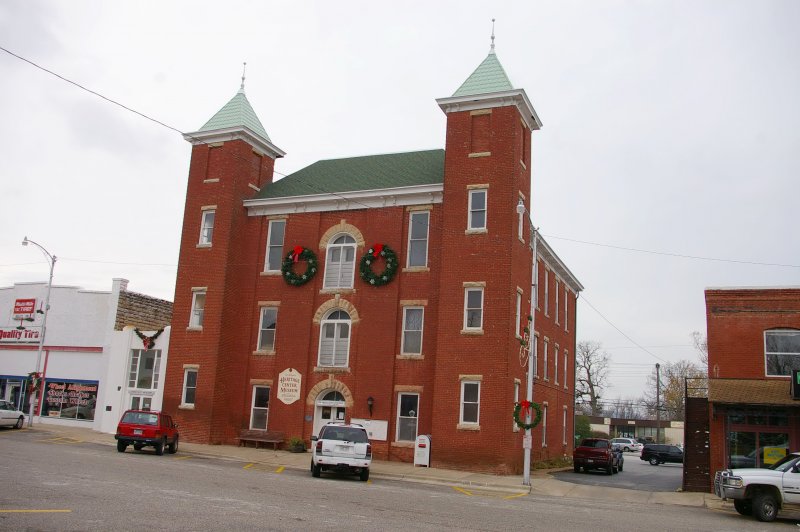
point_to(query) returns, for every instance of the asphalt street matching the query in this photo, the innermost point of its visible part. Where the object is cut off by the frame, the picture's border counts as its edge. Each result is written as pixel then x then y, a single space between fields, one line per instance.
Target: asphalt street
pixel 636 474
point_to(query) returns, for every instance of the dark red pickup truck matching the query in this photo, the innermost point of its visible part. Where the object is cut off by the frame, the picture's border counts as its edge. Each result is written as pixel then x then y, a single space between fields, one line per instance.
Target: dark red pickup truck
pixel 596 453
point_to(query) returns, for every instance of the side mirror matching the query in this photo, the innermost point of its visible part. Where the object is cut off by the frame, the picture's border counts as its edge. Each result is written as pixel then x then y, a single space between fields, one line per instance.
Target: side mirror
pixel 314 438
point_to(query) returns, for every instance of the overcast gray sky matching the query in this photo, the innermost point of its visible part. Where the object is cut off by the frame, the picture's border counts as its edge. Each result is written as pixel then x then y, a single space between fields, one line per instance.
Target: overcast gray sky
pixel 670 127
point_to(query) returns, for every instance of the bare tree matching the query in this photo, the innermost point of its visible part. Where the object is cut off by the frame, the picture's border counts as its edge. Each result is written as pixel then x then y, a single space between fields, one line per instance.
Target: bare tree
pixel 672 399
pixel 625 409
pixel 701 344
pixel 591 375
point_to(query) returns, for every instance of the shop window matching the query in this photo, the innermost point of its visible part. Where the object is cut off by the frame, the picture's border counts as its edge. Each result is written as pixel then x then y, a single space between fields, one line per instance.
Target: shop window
pixel 70 399
pixel 782 351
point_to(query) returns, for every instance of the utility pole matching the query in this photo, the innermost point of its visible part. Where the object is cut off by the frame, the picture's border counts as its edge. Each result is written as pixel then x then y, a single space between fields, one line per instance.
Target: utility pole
pixel 658 403
pixel 527 442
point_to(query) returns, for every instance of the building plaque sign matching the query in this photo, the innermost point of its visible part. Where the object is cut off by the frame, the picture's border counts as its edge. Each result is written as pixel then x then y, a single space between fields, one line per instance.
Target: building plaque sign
pixel 289 381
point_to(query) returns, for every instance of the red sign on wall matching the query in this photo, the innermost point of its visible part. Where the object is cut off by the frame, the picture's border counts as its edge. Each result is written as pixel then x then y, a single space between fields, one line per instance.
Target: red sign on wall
pixel 24 308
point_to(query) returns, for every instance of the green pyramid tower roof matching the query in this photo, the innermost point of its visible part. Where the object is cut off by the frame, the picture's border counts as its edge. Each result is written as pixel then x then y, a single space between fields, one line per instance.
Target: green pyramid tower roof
pixel 236 113
pixel 488 77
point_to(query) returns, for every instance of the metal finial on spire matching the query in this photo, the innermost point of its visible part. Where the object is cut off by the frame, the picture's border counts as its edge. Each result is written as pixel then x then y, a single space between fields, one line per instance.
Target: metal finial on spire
pixel 244 70
pixel 492 48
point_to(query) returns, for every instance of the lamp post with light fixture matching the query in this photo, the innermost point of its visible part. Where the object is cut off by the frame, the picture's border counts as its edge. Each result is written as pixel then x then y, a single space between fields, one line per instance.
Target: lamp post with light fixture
pixel 52 260
pixel 526 472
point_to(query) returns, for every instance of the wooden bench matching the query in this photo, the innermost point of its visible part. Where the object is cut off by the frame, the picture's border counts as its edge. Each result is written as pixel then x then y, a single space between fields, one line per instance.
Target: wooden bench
pixel 261 436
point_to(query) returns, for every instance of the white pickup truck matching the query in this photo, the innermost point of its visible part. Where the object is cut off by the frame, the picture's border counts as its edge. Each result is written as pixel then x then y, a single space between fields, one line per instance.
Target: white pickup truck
pixel 762 492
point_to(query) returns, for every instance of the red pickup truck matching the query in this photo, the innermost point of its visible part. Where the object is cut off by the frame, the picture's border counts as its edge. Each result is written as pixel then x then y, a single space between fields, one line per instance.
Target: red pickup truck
pixel 596 453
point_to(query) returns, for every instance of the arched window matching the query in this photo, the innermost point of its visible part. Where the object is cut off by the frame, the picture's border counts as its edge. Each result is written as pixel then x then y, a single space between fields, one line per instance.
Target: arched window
pixel 334 339
pixel 340 264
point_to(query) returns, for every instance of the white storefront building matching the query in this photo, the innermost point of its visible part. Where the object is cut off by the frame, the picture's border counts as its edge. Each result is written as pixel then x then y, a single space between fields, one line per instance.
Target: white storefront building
pixel 103 352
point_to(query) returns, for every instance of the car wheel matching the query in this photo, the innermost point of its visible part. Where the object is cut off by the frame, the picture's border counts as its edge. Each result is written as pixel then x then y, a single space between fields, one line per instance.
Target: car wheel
pixel 173 447
pixel 19 423
pixel 610 469
pixel 121 446
pixel 743 506
pixel 620 468
pixel 653 460
pixel 576 468
pixel 160 447
pixel 138 446
pixel 765 507
pixel 316 469
pixel 627 449
pixel 364 474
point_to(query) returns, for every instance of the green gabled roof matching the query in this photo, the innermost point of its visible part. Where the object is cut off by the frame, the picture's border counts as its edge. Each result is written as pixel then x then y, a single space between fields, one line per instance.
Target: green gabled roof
pixel 488 77
pixel 370 172
pixel 236 113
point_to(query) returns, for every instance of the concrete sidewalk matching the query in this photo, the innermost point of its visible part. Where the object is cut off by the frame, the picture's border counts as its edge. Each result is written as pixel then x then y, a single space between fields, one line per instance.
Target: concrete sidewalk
pixel 542 483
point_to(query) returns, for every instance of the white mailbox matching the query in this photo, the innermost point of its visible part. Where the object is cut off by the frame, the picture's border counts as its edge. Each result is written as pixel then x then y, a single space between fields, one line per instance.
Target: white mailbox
pixel 422 451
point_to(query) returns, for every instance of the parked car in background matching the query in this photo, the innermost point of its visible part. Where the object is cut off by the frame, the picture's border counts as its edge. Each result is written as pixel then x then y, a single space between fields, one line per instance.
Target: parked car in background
pixel 596 453
pixel 143 427
pixel 10 416
pixel 343 448
pixel 657 453
pixel 627 444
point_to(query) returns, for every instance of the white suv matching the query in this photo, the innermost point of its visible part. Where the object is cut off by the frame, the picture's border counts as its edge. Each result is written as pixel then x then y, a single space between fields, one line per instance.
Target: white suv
pixel 627 444
pixel 341 447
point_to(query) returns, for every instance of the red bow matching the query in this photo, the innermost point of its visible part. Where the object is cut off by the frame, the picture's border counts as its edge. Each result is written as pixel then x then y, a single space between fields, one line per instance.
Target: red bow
pixel 297 251
pixel 147 342
pixel 524 409
pixel 377 248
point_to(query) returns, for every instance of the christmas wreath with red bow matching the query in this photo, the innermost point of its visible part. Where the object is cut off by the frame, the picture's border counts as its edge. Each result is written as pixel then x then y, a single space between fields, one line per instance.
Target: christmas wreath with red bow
pixel 299 253
pixel 148 341
pixel 374 254
pixel 521 411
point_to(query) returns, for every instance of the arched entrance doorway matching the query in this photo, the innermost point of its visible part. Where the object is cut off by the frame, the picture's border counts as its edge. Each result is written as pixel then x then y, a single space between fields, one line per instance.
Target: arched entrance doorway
pixel 329 406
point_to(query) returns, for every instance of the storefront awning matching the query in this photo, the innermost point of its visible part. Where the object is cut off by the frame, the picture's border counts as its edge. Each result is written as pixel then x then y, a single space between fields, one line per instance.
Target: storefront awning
pixel 750 392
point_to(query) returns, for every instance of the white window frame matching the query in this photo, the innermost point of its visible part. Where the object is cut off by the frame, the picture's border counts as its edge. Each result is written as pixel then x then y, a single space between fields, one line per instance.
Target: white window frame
pixel 135 366
pixel 477 421
pixel 253 406
pixel 545 361
pixel 546 292
pixel 411 240
pixel 272 233
pixel 518 326
pixel 516 400
pixel 555 364
pixel 187 387
pixel 467 309
pixel 536 280
pixel 519 225
pixel 337 324
pixel 564 427
pixel 343 280
pixel 535 339
pixel 544 425
pixel 485 210
pixel 566 308
pixel 415 417
pixel 207 227
pixel 197 314
pixel 406 330
pixel 566 365
pixel 557 300
pixel 262 330
pixel 782 331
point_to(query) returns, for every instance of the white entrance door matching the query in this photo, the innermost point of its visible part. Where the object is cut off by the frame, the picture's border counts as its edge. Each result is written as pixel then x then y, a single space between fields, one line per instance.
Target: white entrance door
pixel 329 407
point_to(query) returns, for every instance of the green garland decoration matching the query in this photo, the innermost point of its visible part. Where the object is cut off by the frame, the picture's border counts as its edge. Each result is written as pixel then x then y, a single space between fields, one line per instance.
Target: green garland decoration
pixel 375 253
pixel 521 424
pixel 148 341
pixel 299 253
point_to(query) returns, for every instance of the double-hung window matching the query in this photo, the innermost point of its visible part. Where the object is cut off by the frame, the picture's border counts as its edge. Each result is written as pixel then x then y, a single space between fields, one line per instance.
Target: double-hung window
pixel 782 351
pixel 546 292
pixel 518 326
pixel 207 227
pixel 413 318
pixel 340 263
pixel 198 308
pixel 144 369
pixel 557 300
pixel 546 361
pixel 418 238
pixel 189 387
pixel 277 229
pixel 334 339
pixel 470 402
pixel 407 415
pixel 266 332
pixel 535 340
pixel 544 425
pixel 477 209
pixel 566 308
pixel 473 308
pixel 259 413
pixel 555 364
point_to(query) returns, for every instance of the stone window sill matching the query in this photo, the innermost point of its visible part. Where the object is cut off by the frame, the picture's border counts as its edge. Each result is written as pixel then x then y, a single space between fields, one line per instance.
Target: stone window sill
pixel 264 353
pixel 271 273
pixel 473 427
pixel 472 332
pixel 479 154
pixel 403 444
pixel 331 369
pixel 414 269
pixel 481 231
pixel 195 328
pixel 186 407
pixel 410 356
pixel 203 246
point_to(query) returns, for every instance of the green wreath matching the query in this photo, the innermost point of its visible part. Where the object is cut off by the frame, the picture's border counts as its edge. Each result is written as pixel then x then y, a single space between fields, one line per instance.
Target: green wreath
pixel 521 424
pixel 299 253
pixel 372 255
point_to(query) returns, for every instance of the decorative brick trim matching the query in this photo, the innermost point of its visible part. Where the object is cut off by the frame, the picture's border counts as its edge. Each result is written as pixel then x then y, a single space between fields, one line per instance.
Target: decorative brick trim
pixel 331 369
pixel 472 427
pixel 476 231
pixel 480 112
pixel 407 388
pixel 414 269
pixel 472 332
pixel 194 329
pixel 270 273
pixel 260 382
pixel 191 366
pixel 405 444
pixel 478 378
pixel 264 353
pixel 216 144
pixel 251 185
pixel 208 208
pixel 341 227
pixel 330 384
pixel 277 217
pixel 410 208
pixel 203 246
pixel 413 302
pixel 339 303
pixel 478 186
pixel 338 291
pixel 410 356
pixel 261 153
pixel 480 154
pixel 199 289
pixel 473 284
pixel 186 407
pixel 212 180
pixel 269 304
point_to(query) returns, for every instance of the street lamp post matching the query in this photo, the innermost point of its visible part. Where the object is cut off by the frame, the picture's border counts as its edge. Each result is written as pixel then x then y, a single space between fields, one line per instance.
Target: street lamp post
pixel 52 260
pixel 526 471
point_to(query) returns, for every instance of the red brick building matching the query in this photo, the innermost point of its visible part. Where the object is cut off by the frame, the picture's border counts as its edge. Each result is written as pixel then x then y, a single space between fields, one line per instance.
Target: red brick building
pixel 276 329
pixel 753 345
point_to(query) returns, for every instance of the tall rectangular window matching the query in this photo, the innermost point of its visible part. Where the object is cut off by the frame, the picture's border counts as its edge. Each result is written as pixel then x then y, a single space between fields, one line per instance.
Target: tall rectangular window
pixel 566 376
pixel 207 227
pixel 260 408
pixel 277 229
pixel 536 280
pixel 535 354
pixel 564 427
pixel 544 425
pixel 144 369
pixel 266 332
pixel 518 326
pixel 566 308
pixel 558 298
pixel 413 318
pixel 418 238
pixel 782 351
pixel 515 427
pixel 519 224
pixel 407 415
pixel 189 387
pixel 555 364
pixel 198 308
pixel 473 308
pixel 546 347
pixel 477 209
pixel 546 292
pixel 470 401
